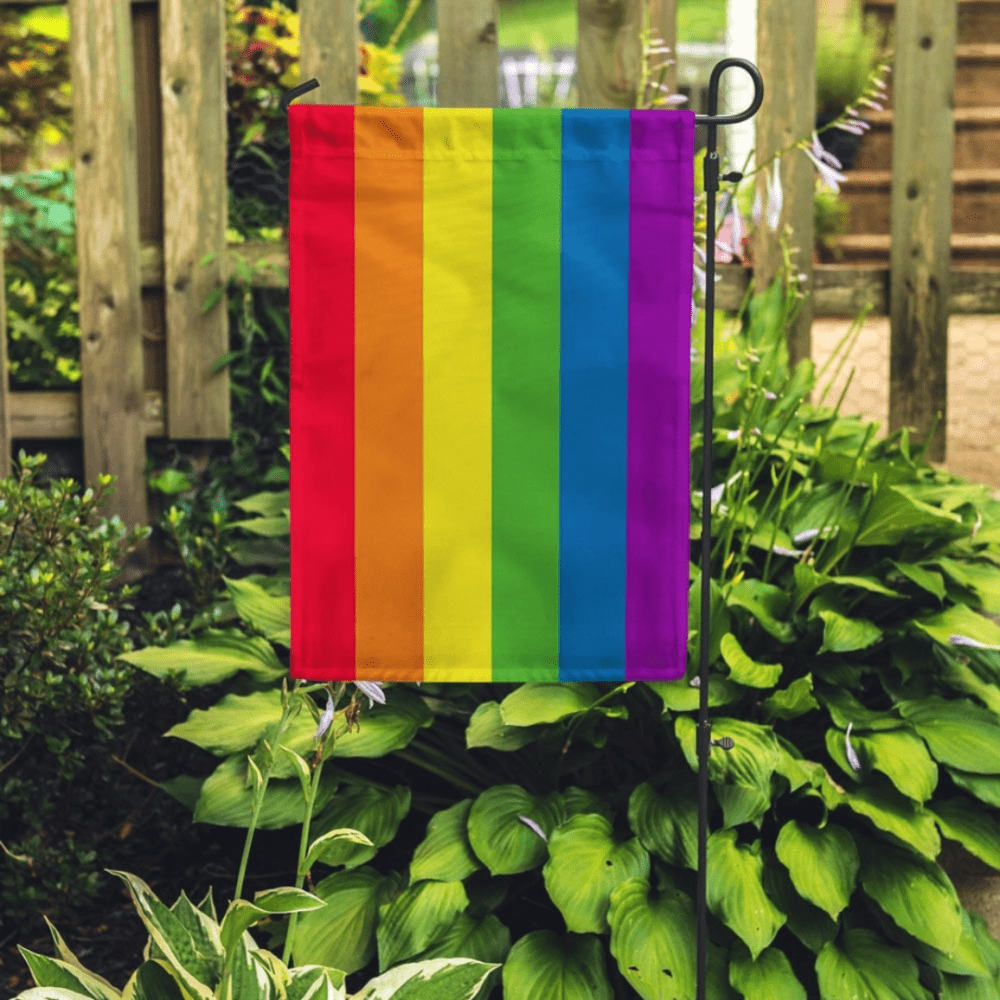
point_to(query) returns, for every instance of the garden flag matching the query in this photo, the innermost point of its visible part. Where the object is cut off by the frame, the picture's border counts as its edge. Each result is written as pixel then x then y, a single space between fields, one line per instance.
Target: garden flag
pixel 490 393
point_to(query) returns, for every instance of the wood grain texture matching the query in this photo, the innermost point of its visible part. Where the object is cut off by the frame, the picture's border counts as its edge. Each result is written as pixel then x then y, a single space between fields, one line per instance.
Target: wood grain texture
pixel 5 428
pixel 786 57
pixel 193 95
pixel 56 414
pixel 328 50
pixel 107 233
pixel 609 53
pixel 923 139
pixel 467 54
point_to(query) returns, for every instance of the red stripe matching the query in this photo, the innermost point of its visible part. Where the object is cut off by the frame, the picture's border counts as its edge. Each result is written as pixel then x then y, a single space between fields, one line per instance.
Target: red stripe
pixel 321 289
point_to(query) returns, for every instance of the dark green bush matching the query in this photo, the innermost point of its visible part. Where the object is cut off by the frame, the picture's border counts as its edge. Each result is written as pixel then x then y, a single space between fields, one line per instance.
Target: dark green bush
pixel 62 686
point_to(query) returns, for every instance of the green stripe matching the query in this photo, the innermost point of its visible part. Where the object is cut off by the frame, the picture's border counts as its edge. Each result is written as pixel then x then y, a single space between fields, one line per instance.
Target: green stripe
pixel 526 214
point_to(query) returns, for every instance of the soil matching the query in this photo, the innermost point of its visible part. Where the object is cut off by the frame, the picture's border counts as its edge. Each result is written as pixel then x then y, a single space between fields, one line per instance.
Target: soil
pixel 151 835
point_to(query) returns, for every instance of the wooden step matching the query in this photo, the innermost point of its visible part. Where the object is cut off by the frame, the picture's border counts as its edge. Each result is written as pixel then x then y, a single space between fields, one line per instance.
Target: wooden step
pixel 978 20
pixel 967 249
pixel 977 139
pixel 977 75
pixel 976 200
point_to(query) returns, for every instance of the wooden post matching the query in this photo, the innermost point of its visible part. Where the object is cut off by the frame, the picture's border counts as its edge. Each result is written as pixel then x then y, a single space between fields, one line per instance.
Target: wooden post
pixel 467 54
pixel 107 236
pixel 193 93
pixel 609 49
pixel 328 50
pixel 923 137
pixel 786 57
pixel 608 53
pixel 5 428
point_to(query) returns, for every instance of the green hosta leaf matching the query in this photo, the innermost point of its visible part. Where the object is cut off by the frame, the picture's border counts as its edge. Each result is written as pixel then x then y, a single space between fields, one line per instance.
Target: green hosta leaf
pixel 213 657
pixel 982 578
pixel 314 982
pixel 807 922
pixel 745 671
pixel 269 615
pixel 960 620
pixel 416 918
pixel 968 959
pixel 435 979
pixel 666 823
pixel 914 891
pixel 679 696
pixel 925 579
pixel 287 899
pixel 501 841
pixel 769 977
pixel 767 603
pixel 844 635
pixel 986 788
pixel 152 981
pixel 736 892
pixel 487 729
pixel 342 935
pixel 958 732
pixel 750 763
pixel 240 916
pixel 742 805
pixel 204 932
pixel 193 971
pixel 808 581
pixel 234 723
pixel 892 516
pixel 577 801
pixel 372 811
pixel 64 952
pixel 890 811
pixel 445 853
pixel 961 819
pixel 486 940
pixel 791 702
pixel 300 768
pixel 537 704
pixel 546 966
pixel 330 847
pixel 864 966
pixel 964 680
pixel 585 866
pixel 269 503
pixel 823 863
pixel 265 527
pixel 226 801
pixel 899 754
pixel 54 972
pixel 845 710
pixel 654 940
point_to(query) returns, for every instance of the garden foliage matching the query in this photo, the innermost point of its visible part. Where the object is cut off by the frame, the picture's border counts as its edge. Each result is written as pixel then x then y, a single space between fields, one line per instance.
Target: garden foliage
pixel 62 686
pixel 854 664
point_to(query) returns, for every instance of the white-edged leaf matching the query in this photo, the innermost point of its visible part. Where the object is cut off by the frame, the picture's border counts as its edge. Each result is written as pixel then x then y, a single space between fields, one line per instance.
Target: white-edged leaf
pixel 434 979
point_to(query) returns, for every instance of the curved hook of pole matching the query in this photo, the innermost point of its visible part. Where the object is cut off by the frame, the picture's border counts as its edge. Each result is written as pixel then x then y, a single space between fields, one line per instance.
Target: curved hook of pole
pixel 713 117
pixel 289 95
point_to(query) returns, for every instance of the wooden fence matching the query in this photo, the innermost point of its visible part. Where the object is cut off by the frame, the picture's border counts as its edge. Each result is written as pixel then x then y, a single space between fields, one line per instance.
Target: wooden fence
pixel 150 159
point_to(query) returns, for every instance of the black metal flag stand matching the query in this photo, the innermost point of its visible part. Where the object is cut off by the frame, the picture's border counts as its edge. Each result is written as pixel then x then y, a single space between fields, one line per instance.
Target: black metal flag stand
pixel 705 742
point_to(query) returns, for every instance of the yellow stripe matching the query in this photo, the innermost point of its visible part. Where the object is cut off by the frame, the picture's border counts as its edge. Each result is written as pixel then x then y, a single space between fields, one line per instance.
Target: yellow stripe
pixel 458 306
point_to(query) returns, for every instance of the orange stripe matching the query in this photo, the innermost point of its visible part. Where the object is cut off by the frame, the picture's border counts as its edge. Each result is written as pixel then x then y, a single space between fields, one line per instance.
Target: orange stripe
pixel 389 396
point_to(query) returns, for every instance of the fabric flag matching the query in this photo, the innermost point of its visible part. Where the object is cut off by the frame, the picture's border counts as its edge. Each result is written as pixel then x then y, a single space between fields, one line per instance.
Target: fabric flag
pixel 490 393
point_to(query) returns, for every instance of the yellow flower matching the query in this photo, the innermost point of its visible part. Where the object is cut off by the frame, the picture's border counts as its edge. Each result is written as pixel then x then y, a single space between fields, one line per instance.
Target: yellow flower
pixel 50 134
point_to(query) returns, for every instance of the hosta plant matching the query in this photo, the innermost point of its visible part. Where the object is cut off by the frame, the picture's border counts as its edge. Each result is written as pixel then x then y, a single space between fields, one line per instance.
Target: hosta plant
pixel 854 663
pixel 190 955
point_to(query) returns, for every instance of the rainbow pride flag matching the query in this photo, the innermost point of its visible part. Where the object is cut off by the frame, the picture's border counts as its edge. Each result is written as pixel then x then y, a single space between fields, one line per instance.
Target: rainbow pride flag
pixel 490 393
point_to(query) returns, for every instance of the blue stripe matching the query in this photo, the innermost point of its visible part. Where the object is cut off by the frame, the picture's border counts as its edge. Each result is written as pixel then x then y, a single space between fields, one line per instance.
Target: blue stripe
pixel 593 392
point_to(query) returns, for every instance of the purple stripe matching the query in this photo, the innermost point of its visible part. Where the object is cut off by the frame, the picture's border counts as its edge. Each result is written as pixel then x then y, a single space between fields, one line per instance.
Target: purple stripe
pixel 661 238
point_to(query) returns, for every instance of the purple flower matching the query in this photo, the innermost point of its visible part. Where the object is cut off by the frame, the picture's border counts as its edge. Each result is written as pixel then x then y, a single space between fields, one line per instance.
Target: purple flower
pixel 325 719
pixel 532 825
pixel 775 198
pixel 826 164
pixel 372 690
pixel 852 757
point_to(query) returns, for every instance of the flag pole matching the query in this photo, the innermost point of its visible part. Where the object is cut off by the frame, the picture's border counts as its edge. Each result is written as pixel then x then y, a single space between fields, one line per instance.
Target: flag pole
pixel 705 742
pixel 712 120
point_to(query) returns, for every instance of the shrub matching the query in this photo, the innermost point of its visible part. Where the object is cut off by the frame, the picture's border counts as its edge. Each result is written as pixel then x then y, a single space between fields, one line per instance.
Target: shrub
pixel 851 665
pixel 62 683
